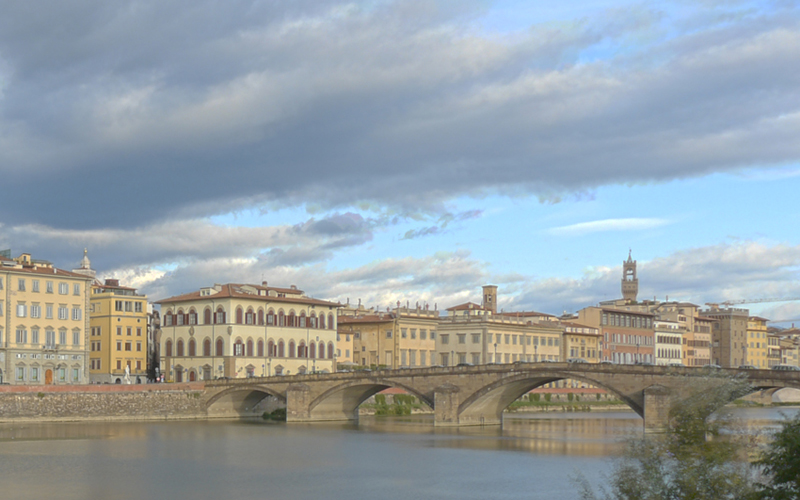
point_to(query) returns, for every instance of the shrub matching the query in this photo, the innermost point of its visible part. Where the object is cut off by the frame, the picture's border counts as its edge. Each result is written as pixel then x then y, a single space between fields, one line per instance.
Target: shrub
pixel 570 397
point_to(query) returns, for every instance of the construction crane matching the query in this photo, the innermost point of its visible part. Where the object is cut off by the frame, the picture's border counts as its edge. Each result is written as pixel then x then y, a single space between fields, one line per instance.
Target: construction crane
pixel 751 301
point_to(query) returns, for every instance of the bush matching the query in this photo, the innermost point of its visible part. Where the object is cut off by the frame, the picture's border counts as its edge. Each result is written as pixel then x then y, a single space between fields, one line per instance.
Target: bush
pixel 380 399
pixel 547 397
pixel 535 397
pixel 781 464
pixel 278 414
pixel 570 397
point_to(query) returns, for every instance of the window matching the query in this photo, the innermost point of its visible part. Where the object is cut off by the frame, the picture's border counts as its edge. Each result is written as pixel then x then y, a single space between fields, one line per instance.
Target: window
pixel 21 285
pixel 423 335
pixel 403 334
pixel 138 331
pixel 35 284
pixel 63 312
pixel 62 337
pixel 1 283
pixel 476 338
pixel 128 346
pixel 48 286
pixel 119 364
pixel 22 336
pixel 76 289
pixel 35 336
pixel 49 339
pixel 36 311
pixel 413 333
pixel 138 308
pixel 128 306
pixel 76 338
pixel 1 307
pixel 388 334
pixel 445 339
pixel 22 310
pixel 76 313
pixel 63 288
pixel 433 335
pixel 462 338
pixel 118 305
pixel 129 331
pixel 76 374
pixel 20 373
pixel 48 311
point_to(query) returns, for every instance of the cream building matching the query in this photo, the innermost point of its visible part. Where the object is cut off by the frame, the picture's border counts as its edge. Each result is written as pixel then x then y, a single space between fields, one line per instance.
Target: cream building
pixel 43 323
pixel 242 330
pixel 118 334
pixel 669 342
pixel 580 342
pixel 477 334
pixel 402 338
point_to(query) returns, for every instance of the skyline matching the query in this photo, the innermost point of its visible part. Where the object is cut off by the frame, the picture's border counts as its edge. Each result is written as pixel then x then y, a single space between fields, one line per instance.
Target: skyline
pixel 389 151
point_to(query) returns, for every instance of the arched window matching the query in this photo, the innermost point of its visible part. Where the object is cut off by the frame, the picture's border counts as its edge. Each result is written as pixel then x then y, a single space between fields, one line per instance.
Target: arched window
pixel 238 348
pixel 322 321
pixel 179 348
pixel 250 347
pixel 220 347
pixel 192 376
pixel 281 350
pixel 312 351
pixel 168 319
pixel 220 316
pixel 330 350
pixel 322 350
pixel 281 318
pixel 238 315
pixel 330 321
pixel 192 316
pixel 250 317
pixel 271 348
pixel 179 317
pixel 270 317
pixel 302 320
pixel 192 348
pixel 291 321
pixel 312 320
pixel 207 347
pixel 168 348
pixel 207 316
pixel 301 350
pixel 292 352
pixel 260 348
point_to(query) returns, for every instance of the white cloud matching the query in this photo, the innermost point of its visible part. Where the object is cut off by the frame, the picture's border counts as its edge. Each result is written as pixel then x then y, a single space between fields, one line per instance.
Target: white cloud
pixel 626 224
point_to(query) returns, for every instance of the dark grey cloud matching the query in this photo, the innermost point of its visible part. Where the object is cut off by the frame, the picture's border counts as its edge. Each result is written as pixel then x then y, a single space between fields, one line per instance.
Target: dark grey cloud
pixel 124 114
pixel 441 226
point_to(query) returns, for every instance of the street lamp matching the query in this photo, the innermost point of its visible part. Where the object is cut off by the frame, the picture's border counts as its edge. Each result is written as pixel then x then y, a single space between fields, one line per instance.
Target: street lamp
pixel 536 352
pixel 637 351
pixel 495 352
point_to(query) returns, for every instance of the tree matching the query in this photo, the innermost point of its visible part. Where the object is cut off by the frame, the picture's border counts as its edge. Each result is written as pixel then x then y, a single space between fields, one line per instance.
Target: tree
pixel 781 464
pixel 691 460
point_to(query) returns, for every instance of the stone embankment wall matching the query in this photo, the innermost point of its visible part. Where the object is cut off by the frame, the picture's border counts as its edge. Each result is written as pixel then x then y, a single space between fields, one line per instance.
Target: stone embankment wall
pixel 102 402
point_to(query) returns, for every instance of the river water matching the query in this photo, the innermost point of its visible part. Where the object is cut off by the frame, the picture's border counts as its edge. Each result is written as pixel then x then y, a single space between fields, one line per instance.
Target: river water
pixel 533 456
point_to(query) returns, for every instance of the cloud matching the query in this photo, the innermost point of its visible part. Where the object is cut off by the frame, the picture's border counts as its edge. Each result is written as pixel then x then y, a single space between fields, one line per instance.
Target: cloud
pixel 628 224
pixel 396 103
pixel 445 220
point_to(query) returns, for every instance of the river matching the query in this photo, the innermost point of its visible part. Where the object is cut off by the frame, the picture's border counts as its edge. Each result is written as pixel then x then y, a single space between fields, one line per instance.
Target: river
pixel 533 456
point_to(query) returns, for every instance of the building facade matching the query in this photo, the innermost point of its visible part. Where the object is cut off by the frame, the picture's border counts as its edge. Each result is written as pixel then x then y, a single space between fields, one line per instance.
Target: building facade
pixel 757 344
pixel 580 342
pixel 243 330
pixel 118 334
pixel 628 335
pixel 45 325
pixel 669 342
pixel 729 335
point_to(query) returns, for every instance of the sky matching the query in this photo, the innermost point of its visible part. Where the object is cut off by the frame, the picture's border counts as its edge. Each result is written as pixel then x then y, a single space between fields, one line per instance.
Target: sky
pixel 383 151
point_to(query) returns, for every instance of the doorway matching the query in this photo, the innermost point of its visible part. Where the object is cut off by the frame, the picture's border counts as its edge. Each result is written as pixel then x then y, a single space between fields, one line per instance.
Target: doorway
pixel 48 377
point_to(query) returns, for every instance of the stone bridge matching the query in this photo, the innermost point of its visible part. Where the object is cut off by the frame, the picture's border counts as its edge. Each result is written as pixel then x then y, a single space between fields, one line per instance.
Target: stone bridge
pixel 474 395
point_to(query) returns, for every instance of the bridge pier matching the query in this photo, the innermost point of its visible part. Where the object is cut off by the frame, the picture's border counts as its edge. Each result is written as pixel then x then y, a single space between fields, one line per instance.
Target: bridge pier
pixel 297 403
pixel 657 403
pixel 445 405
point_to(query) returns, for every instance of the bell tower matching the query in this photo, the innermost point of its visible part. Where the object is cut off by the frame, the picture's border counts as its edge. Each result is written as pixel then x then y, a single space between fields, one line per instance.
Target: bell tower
pixel 630 284
pixel 490 298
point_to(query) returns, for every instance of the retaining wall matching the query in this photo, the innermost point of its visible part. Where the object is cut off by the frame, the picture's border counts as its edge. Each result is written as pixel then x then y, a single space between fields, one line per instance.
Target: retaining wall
pixel 102 402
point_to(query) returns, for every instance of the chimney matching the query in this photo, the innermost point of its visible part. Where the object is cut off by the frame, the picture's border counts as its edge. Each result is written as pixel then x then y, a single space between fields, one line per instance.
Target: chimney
pixel 112 282
pixel 263 283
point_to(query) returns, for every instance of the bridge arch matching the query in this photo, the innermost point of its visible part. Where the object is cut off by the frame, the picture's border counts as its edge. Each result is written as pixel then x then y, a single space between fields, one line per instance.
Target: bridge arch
pixel 342 401
pixel 240 401
pixel 488 402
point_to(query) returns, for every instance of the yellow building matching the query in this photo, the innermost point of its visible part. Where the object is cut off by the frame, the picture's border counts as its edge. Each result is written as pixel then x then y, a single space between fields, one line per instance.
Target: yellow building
pixel 402 338
pixel 757 347
pixel 43 323
pixel 580 342
pixel 118 334
pixel 242 330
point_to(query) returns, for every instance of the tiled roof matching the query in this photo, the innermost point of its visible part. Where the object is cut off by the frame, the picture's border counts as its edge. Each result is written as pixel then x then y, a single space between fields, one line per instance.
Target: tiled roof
pixel 234 290
pixel 369 318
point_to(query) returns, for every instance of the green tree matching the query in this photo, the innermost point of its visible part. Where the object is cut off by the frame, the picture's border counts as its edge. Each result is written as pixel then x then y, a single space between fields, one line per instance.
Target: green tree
pixel 781 464
pixel 692 460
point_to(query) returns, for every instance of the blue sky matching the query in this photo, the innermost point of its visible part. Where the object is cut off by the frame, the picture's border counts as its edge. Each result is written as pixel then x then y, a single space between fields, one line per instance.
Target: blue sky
pixel 409 150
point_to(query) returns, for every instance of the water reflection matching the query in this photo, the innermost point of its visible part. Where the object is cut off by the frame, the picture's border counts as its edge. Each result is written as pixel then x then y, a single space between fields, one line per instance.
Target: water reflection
pixel 531 456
